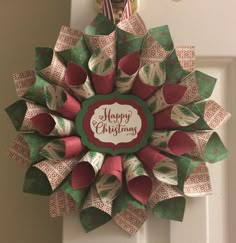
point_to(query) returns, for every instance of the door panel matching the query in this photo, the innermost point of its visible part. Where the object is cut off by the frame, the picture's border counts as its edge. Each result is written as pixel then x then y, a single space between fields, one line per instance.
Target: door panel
pixel 200 23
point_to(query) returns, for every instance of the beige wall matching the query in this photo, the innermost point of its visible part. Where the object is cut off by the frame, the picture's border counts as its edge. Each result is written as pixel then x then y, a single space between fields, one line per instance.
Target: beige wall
pixel 24 24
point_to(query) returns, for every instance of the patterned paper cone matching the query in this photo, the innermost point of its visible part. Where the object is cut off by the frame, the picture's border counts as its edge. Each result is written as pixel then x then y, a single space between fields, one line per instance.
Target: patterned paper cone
pixel 166 96
pixel 166 201
pixel 198 183
pixel 134 24
pixel 107 43
pixel 61 204
pixel 186 56
pixel 157 45
pixel 128 67
pixel 94 212
pixel 102 72
pixel 67 38
pixel 78 195
pixel 127 43
pixel 109 181
pixel 43 57
pixel 212 115
pixel 209 147
pixel 63 148
pixel 174 117
pixel 199 87
pixel 128 213
pixel 162 167
pixel 78 54
pixel 55 72
pixel 59 100
pixel 86 170
pixel 29 85
pixel 130 35
pixel 35 143
pixel 44 177
pixel 186 166
pixel 172 142
pixel 50 125
pixel 175 72
pixel 150 77
pixel 19 151
pixel 136 178
pixel 78 81
pixel 48 64
pixel 21 113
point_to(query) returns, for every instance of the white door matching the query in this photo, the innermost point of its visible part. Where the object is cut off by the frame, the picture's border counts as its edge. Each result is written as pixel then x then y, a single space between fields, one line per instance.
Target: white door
pixel 210 26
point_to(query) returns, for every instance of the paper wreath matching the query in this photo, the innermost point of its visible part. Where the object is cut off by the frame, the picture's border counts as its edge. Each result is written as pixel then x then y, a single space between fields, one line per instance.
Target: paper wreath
pixel 115 122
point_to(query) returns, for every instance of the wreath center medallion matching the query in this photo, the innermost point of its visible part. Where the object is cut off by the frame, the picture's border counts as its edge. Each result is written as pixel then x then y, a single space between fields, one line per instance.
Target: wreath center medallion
pixel 114 123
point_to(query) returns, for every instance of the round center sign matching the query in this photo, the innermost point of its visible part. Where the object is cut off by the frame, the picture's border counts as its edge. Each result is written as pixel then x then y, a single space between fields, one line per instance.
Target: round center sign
pixel 114 123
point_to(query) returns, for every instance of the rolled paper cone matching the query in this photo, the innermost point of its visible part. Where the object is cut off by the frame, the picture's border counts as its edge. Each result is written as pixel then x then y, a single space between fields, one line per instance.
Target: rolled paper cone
pixel 147 82
pixel 29 85
pixel 174 142
pixel 209 147
pixel 56 173
pixel 21 113
pixel 199 87
pixel 134 25
pixel 150 156
pixel 102 72
pixel 128 43
pixel 43 57
pixel 192 187
pixel 157 45
pixel 100 25
pixel 36 182
pixel 78 195
pixel 174 117
pixel 142 90
pixel 186 56
pixel 101 34
pixel 61 204
pixel 50 125
pixel 19 151
pixel 78 54
pixel 185 165
pixel 166 201
pixel 86 170
pixel 112 166
pixel 128 67
pixel 103 84
pixel 175 72
pixel 55 72
pixel 162 167
pixel 109 181
pixel 94 212
pixel 128 213
pixel 131 219
pixel 67 38
pixel 23 82
pixel 166 96
pixel 212 115
pixel 63 148
pixel 59 100
pixel 107 43
pixel 49 65
pixel 138 182
pixel 78 81
pixel 35 143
